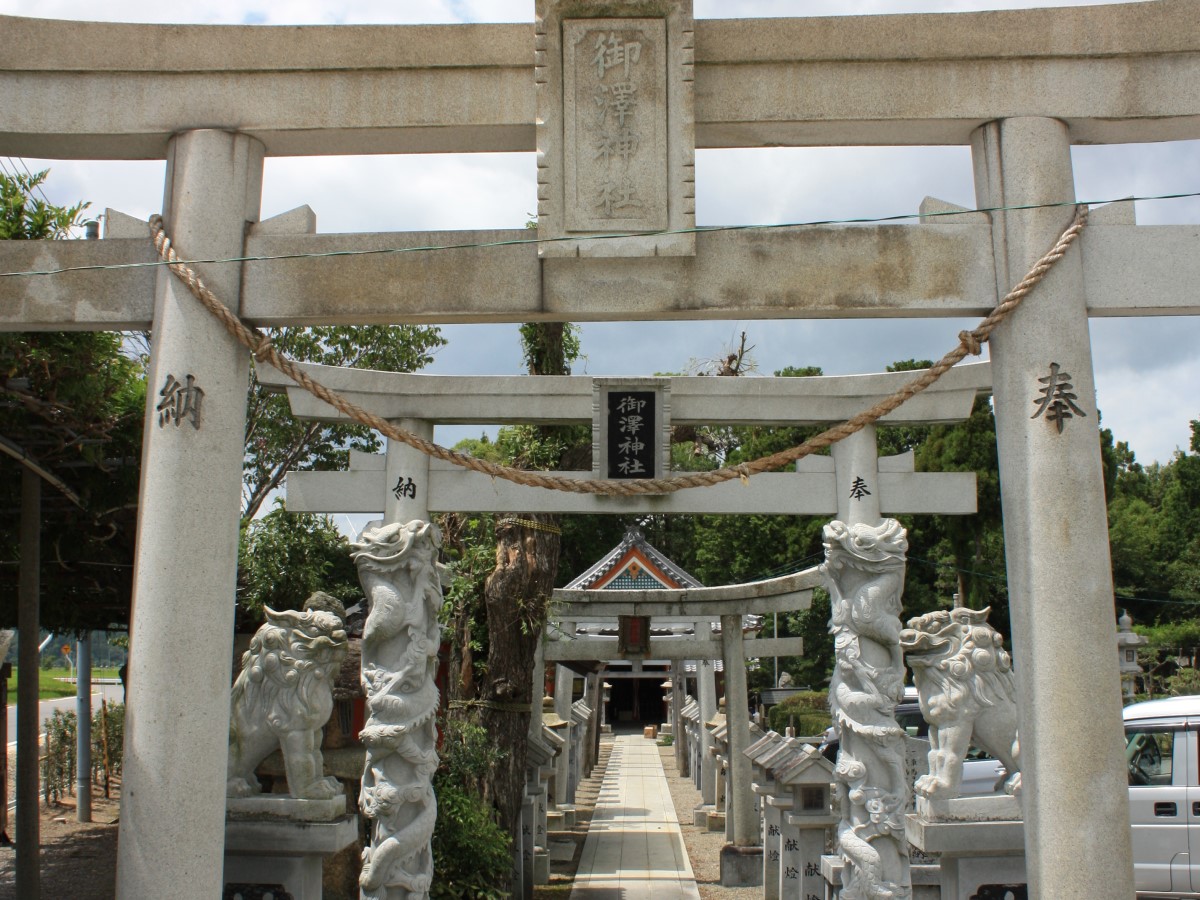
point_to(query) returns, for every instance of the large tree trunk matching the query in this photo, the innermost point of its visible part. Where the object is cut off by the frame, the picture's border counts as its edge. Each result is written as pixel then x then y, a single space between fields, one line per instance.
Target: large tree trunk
pixel 517 593
pixel 516 596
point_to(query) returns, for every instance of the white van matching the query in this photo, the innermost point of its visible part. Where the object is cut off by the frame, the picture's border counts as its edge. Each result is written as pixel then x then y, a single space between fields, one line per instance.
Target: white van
pixel 1164 795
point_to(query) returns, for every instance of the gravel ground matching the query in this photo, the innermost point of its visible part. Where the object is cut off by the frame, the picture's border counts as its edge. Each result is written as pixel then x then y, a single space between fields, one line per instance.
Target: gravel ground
pixel 703 847
pixel 79 861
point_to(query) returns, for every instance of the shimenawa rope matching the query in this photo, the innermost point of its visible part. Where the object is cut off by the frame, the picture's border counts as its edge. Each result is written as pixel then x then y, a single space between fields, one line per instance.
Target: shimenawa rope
pixel 968 342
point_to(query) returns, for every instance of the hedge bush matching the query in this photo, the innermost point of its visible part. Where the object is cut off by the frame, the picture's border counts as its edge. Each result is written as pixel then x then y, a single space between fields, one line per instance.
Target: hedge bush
pixel 58 762
pixel 807 710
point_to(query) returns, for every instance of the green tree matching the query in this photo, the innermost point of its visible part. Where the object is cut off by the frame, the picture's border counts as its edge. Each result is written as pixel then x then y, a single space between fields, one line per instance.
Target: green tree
pixel 284 557
pixel 513 596
pixel 277 442
pixel 72 403
pixel 25 217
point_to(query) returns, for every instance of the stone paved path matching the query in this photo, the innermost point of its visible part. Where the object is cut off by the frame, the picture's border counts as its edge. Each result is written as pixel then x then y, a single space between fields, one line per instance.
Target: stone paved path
pixel 634 850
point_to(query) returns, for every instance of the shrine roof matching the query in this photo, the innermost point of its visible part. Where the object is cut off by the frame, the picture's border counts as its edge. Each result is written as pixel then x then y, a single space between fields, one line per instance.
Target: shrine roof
pixel 634 564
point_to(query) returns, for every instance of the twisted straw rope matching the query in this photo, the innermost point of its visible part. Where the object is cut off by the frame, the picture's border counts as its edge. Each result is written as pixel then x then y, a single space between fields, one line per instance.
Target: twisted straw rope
pixel 968 342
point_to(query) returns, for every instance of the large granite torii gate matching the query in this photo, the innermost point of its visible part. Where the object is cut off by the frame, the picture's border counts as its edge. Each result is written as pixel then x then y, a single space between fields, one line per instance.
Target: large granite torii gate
pixel 1018 87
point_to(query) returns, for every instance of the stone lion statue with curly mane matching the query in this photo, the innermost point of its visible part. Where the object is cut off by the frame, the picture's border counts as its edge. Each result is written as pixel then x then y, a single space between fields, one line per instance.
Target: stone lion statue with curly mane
pixel 284 696
pixel 964 679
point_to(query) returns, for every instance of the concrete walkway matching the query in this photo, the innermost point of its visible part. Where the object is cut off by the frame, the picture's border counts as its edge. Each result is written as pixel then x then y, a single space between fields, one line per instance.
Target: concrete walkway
pixel 634 850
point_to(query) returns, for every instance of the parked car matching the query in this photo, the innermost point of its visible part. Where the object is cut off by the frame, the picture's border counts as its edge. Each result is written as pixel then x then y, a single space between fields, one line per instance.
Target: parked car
pixel 1164 795
pixel 982 774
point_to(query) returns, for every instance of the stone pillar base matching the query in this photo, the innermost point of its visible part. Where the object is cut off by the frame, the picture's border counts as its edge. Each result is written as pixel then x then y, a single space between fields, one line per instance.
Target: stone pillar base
pixel 741 866
pixel 566 814
pixel 982 853
pixel 715 821
pixel 541 866
pixel 926 880
pixel 701 813
pixel 285 853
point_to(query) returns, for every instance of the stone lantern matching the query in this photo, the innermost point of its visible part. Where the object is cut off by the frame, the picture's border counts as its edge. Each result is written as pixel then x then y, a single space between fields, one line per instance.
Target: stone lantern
pixel 1128 642
pixel 717 728
pixel 805 823
pixel 768 755
pixel 554 733
pixel 539 762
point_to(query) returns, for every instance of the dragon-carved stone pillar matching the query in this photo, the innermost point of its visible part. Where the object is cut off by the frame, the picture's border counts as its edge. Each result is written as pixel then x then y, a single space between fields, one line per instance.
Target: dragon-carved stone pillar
pixel 399 571
pixel 864 572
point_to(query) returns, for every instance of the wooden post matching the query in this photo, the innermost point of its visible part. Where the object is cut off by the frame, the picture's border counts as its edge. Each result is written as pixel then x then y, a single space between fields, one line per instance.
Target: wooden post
pixel 5 674
pixel 28 834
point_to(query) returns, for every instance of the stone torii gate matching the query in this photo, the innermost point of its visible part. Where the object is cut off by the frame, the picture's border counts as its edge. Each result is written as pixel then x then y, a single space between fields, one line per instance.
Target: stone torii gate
pixel 405 484
pixel 1017 87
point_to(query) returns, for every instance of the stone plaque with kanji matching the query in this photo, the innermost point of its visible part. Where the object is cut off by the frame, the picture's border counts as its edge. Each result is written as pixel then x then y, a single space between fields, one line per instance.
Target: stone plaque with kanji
pixel 615 129
pixel 631 427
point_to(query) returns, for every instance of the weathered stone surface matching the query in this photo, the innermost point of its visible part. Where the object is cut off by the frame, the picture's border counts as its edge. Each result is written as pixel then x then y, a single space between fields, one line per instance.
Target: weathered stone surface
pixel 828 272
pixel 995 808
pixel 615 134
pixel 398 567
pixel 864 573
pixel 283 696
pixel 1055 533
pixel 1121 73
pixel 274 806
pixel 965 682
pixel 695 400
pixel 170 832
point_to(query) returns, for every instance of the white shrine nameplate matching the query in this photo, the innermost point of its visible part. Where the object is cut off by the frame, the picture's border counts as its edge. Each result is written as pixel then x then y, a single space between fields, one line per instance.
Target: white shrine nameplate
pixel 615 128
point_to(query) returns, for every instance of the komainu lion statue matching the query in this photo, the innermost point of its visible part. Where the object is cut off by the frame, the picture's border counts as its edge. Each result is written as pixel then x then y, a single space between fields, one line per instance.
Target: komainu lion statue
pixel 965 683
pixel 283 697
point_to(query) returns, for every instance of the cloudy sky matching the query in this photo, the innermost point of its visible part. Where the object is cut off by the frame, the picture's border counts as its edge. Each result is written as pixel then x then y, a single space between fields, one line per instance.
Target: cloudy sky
pixel 1146 369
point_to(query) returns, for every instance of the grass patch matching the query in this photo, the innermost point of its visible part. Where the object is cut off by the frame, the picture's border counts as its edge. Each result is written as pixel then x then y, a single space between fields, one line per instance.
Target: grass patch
pixel 50 688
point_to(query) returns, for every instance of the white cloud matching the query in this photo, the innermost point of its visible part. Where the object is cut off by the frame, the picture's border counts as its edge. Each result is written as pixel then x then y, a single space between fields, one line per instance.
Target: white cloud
pixel 1145 369
pixel 326 12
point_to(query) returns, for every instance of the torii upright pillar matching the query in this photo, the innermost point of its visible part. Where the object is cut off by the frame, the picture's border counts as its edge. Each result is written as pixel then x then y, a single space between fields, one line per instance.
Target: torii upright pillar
pixel 172 834
pixel 1076 804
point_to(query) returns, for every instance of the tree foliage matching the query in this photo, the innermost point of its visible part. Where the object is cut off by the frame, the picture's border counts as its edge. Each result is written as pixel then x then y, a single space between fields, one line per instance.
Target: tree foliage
pixel 74 404
pixel 472 854
pixel 284 557
pixel 27 217
pixel 277 442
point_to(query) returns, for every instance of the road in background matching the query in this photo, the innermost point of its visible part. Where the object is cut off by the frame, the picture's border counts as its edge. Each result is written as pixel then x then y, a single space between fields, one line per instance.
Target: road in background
pixel 112 693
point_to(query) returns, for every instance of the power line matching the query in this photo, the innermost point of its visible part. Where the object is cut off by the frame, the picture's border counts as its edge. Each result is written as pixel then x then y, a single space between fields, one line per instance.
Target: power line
pixel 24 166
pixel 378 251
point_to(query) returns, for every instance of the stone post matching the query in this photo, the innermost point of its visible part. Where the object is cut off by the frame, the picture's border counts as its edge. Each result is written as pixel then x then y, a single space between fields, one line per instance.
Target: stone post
pixel 677 700
pixel 539 689
pixel 741 858
pixel 706 688
pixel 1055 527
pixel 864 574
pixel 407 472
pixel 524 848
pixel 737 712
pixel 29 867
pixel 399 571
pixel 83 728
pixel 172 832
pixel 856 467
pixel 564 680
